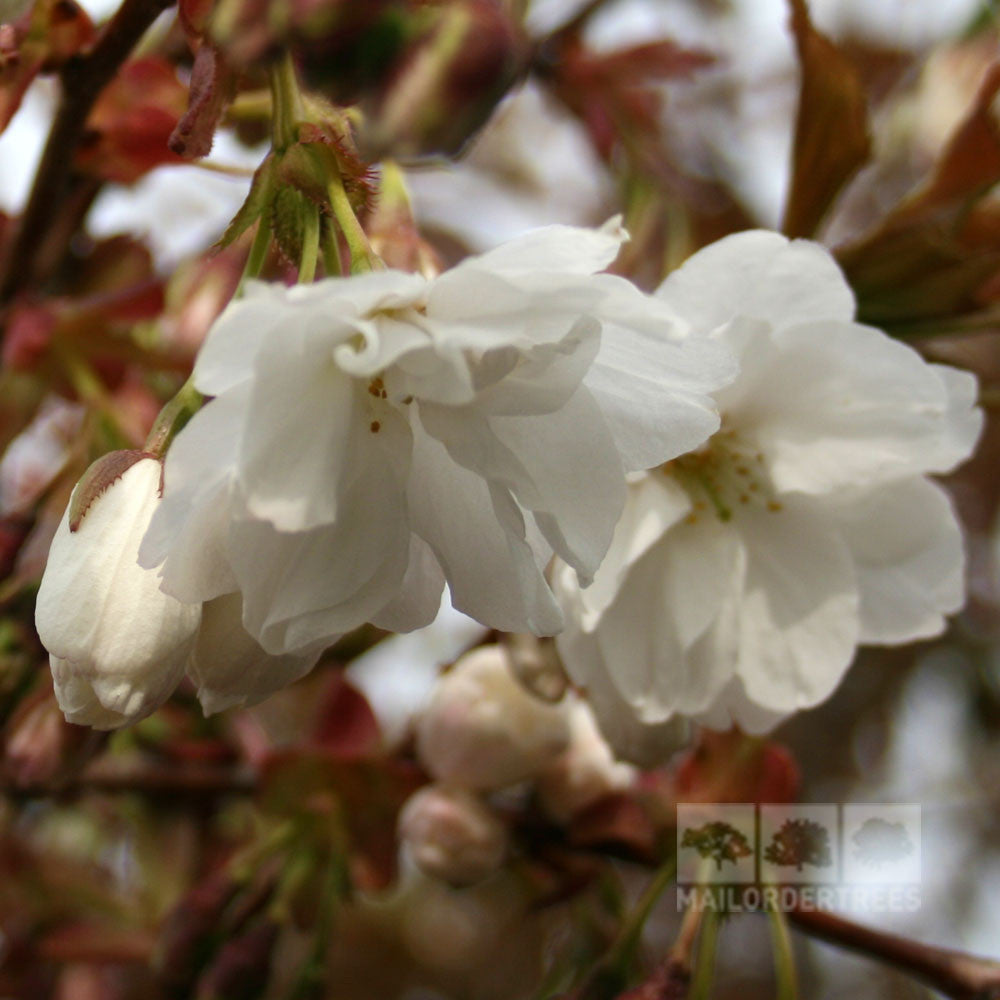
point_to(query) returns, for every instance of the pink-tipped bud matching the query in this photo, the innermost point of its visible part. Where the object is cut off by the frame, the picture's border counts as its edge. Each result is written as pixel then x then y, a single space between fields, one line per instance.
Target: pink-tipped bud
pixel 451 834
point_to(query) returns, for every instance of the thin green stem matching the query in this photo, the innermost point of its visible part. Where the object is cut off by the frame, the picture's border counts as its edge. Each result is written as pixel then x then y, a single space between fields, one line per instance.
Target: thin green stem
pixel 332 264
pixel 172 418
pixel 784 956
pixel 287 109
pixel 363 258
pixel 704 970
pixel 631 933
pixel 257 255
pixel 610 975
pixel 310 247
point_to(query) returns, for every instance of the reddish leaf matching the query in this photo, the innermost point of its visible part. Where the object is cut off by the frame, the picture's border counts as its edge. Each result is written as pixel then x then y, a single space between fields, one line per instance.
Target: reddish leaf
pixel 733 767
pixel 29 330
pixel 193 16
pixel 970 165
pixel 831 129
pixel 347 727
pixel 131 124
pixel 211 84
pixel 617 822
pixel 937 254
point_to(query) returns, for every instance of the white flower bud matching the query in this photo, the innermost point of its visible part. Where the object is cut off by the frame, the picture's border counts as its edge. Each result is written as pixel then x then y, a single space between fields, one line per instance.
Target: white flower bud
pixel 118 644
pixel 452 835
pixel 585 773
pixel 482 730
pixel 229 666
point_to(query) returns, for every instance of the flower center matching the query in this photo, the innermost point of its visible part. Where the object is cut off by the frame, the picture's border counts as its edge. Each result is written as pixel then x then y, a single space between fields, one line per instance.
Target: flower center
pixel 725 474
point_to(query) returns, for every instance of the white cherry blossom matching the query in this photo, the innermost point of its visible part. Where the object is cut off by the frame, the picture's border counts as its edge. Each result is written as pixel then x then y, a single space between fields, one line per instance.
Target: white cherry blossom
pixel 743 576
pixel 372 436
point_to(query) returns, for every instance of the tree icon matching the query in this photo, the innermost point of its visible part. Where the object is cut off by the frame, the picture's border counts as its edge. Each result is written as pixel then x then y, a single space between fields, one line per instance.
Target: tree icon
pixel 879 842
pixel 719 841
pixel 800 842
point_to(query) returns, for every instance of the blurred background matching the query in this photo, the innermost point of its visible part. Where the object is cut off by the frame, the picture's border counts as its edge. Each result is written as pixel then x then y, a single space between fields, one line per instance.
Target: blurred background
pixel 681 114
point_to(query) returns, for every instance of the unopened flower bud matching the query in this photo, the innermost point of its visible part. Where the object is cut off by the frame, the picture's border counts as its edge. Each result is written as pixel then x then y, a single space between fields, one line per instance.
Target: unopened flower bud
pixel 230 667
pixel 452 834
pixel 482 730
pixel 585 773
pixel 117 643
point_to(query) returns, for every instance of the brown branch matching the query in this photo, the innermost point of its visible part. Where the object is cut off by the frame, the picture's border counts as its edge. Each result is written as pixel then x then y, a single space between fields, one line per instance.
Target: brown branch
pixel 953 973
pixel 97 945
pixel 148 778
pixel 83 78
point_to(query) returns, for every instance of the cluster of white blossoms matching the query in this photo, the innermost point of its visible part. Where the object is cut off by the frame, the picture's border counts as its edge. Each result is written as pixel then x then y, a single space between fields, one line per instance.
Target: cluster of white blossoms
pixel 368 439
pixel 482 733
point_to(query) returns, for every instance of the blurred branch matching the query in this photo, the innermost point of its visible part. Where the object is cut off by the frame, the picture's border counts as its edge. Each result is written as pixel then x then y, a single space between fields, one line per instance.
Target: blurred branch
pixel 96 945
pixel 82 78
pixel 953 973
pixel 148 778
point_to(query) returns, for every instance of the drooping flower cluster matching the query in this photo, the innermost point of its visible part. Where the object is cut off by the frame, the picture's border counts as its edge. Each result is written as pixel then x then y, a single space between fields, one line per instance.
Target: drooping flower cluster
pixel 371 437
pixel 743 575
pixel 368 439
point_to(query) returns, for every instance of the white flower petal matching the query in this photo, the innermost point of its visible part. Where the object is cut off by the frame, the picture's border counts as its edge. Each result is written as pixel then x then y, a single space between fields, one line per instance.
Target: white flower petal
pixel 907 549
pixel 86 703
pixel 843 405
pixel 654 504
pixel 291 478
pixel 419 598
pixel 576 474
pixel 320 583
pixel 229 667
pixel 565 250
pixel 799 618
pixel 678 589
pixel 187 535
pixel 633 739
pixel 760 275
pixel 473 531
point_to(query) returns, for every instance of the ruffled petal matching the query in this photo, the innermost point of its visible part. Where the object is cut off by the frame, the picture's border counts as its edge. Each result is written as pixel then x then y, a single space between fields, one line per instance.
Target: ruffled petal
pixel 303 588
pixel 907 549
pixel 307 426
pixel 479 537
pixel 86 704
